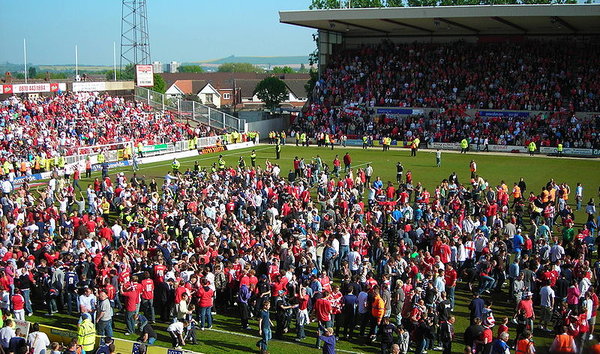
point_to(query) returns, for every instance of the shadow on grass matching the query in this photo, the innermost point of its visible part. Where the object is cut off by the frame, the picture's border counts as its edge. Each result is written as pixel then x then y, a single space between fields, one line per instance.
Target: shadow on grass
pixel 226 346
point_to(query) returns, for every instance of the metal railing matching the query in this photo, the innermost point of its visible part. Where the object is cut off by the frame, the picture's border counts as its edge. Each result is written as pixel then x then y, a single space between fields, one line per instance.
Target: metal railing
pixel 112 155
pixel 191 110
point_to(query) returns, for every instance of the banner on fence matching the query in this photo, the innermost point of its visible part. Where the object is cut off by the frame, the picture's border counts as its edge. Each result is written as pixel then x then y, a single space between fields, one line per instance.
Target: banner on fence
pixel 98 167
pixel 33 88
pixel 211 149
pixel 239 145
pixel 445 146
pixel 506 114
pixel 153 148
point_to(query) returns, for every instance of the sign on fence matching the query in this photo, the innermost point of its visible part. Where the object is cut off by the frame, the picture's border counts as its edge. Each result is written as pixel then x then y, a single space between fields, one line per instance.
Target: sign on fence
pixel 144 75
pixel 157 147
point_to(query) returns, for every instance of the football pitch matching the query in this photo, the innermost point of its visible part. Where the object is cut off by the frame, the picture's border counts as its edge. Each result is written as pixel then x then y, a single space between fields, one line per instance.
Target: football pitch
pixel 226 336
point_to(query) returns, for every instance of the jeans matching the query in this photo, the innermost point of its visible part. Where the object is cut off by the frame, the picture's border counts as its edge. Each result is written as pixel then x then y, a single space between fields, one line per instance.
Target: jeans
pixel 72 299
pixel 363 318
pixel 104 328
pixel 129 321
pixel 349 318
pixel 27 296
pixel 487 283
pixel 450 290
pixel 421 346
pixel 244 314
pixel 265 338
pixel 147 307
pixel 344 250
pixel 205 314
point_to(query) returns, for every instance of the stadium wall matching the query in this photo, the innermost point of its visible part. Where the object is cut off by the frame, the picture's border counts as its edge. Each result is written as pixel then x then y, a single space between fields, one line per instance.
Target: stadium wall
pixel 263 127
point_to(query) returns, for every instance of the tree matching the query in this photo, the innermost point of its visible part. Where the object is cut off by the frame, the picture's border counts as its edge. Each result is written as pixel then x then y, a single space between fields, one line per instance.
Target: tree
pixel 416 3
pixel 159 84
pixel 239 68
pixel 394 3
pixel 31 72
pixel 312 81
pixel 190 69
pixel 127 74
pixel 364 3
pixel 302 69
pixel 53 75
pixel 282 70
pixel 325 4
pixel 272 91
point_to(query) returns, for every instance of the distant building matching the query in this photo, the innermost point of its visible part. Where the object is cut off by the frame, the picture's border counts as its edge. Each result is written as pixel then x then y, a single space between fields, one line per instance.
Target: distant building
pixel 173 67
pixel 158 67
pixel 217 89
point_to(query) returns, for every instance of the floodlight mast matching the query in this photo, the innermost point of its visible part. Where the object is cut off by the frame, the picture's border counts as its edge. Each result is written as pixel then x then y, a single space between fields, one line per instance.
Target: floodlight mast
pixel 135 38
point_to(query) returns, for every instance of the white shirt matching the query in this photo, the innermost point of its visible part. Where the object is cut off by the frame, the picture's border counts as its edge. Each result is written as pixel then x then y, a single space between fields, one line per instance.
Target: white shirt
pixel 546 295
pixel 7 186
pixel 176 327
pixel 345 239
pixel 88 302
pixel 556 252
pixel 39 341
pixel 354 260
pixel 6 333
pixel 584 285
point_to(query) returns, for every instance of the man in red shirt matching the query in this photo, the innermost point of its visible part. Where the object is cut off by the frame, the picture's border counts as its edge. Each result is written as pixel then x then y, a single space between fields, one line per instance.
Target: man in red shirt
pixel 450 277
pixel 526 305
pixel 347 162
pixel 147 304
pixel 323 312
pixel 131 299
pixel 17 303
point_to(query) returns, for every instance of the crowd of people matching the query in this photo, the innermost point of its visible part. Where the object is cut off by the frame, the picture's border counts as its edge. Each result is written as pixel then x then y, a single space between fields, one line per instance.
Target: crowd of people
pixel 546 130
pixel 529 75
pixel 525 75
pixel 36 134
pixel 368 260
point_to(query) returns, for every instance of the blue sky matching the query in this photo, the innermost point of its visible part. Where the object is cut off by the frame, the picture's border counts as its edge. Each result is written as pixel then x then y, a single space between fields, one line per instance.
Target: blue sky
pixel 181 30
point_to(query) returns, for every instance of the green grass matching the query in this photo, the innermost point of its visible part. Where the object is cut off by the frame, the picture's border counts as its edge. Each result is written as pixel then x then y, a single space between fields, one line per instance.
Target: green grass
pixel 537 171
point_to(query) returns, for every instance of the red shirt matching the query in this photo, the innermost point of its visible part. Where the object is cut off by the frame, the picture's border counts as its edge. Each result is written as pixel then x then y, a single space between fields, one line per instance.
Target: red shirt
pixel 323 310
pixel 487 334
pixel 501 329
pixel 179 293
pixel 526 305
pixel 18 302
pixel 131 298
pixel 445 253
pixel 147 289
pixel 450 277
pixel 275 287
pixel 159 272
pixel 205 297
pixel 110 291
pixel 302 302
